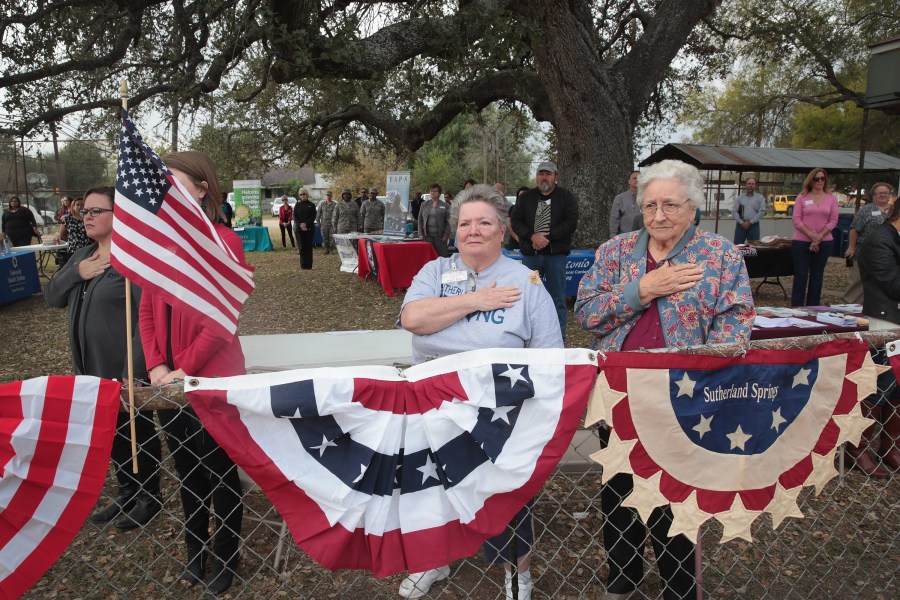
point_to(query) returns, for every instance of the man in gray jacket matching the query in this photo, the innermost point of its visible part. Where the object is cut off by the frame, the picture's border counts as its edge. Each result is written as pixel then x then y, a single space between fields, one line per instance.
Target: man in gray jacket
pixel 624 208
pixel 748 209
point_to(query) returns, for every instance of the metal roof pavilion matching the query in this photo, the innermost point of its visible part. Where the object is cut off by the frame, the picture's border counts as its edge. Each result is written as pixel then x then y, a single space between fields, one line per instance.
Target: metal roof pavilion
pixel 771 160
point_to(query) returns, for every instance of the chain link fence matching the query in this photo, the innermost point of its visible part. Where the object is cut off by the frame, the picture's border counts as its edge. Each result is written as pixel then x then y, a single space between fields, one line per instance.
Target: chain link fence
pixel 40 172
pixel 844 547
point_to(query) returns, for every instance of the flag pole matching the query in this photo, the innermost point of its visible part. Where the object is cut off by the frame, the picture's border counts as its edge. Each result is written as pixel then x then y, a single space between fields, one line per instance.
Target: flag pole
pixel 129 337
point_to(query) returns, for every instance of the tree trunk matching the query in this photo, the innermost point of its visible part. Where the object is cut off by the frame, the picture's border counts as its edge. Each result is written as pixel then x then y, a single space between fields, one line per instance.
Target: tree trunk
pixel 591 119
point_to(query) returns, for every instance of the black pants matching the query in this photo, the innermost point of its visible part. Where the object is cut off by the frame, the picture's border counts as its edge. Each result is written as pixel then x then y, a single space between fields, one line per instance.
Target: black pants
pixel 305 241
pixel 290 232
pixel 207 475
pixel 148 451
pixel 624 536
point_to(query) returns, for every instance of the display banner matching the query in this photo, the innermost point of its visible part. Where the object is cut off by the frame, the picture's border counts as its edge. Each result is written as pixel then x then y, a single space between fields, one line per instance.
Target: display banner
pixel 397 203
pixel 247 202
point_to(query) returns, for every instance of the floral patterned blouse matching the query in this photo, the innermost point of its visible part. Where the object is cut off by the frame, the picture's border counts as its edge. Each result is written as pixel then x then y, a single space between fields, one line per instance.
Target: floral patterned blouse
pixel 719 309
pixel 75 234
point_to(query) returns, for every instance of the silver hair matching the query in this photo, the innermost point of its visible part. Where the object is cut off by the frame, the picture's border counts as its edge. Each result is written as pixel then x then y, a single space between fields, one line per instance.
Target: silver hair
pixel 481 193
pixel 687 175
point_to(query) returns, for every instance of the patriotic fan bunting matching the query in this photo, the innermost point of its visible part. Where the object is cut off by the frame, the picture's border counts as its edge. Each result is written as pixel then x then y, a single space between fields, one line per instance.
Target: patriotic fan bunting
pixel 55 439
pixel 730 438
pixel 373 468
pixel 893 354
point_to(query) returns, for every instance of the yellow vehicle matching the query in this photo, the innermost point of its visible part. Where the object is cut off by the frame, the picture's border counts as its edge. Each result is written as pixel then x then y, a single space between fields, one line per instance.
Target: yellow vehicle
pixel 784 204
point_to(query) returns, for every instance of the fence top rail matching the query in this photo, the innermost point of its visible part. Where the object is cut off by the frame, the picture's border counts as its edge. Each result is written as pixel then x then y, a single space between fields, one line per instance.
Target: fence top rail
pixel 172 395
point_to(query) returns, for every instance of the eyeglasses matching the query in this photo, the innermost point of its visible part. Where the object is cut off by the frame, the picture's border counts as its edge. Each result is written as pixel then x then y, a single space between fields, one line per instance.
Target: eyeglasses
pixel 818 179
pixel 94 212
pixel 668 208
pixel 881 194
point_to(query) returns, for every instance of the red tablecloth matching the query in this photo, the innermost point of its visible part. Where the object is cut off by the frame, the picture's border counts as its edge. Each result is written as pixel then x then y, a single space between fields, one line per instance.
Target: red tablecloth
pixel 397 262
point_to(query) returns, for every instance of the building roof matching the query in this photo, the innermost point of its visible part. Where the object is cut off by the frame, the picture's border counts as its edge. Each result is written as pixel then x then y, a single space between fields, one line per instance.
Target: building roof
pixel 771 160
pixel 281 176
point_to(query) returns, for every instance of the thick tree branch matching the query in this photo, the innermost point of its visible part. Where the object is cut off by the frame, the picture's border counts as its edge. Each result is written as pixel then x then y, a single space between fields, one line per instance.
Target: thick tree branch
pixel 128 25
pixel 664 36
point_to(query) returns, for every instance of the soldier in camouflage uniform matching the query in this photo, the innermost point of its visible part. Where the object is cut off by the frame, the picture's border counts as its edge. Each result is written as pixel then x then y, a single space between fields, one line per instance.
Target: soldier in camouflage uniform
pixel 346 214
pixel 325 216
pixel 371 214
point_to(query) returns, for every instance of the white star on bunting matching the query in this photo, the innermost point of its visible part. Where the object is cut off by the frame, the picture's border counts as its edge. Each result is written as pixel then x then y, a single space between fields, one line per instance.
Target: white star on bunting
pixel 514 375
pixel 600 404
pixel 614 458
pixel 685 387
pixel 777 419
pixel 737 521
pixel 801 378
pixel 502 413
pixel 784 504
pixel 428 470
pixel 738 438
pixel 704 426
pixel 324 445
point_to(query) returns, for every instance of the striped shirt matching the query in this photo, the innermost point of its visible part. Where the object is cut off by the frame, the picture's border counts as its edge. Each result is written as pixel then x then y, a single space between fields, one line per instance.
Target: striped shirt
pixel 542 217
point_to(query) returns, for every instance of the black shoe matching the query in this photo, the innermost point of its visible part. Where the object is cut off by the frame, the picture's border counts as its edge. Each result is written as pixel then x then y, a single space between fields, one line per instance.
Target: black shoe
pixel 145 508
pixel 196 568
pixel 111 511
pixel 221 578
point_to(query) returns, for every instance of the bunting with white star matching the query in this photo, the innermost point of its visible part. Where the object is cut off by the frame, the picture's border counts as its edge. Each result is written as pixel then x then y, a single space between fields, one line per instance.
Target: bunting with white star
pixel 893 353
pixel 389 471
pixel 729 438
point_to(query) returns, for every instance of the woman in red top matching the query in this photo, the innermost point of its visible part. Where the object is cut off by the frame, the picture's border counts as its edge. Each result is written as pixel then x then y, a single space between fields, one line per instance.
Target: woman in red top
pixel 174 344
pixel 286 221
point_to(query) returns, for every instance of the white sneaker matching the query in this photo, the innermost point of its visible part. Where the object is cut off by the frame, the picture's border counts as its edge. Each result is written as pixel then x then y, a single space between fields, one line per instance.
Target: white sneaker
pixel 417 585
pixel 525 585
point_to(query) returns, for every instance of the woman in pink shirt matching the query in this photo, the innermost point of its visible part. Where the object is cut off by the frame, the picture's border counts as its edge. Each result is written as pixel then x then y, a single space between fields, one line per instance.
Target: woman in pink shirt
pixel 815 215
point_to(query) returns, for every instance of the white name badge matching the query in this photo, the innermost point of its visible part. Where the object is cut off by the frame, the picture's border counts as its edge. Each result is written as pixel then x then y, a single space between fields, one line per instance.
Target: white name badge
pixel 807 203
pixel 454 276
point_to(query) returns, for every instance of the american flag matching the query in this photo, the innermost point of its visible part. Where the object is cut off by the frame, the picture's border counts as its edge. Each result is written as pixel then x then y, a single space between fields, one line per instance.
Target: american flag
pixel 163 241
pixel 373 468
pixel 56 434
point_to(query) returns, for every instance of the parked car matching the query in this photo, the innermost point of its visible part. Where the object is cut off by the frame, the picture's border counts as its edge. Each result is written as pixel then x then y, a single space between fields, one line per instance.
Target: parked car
pixel 784 204
pixel 276 204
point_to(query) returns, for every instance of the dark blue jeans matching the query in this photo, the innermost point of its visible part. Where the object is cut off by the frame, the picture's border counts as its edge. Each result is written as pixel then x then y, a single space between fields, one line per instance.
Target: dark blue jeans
pixel 809 269
pixel 741 235
pixel 552 268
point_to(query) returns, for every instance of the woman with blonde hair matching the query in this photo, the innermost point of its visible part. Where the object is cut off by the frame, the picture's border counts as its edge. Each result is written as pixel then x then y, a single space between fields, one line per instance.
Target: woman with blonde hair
pixel 815 215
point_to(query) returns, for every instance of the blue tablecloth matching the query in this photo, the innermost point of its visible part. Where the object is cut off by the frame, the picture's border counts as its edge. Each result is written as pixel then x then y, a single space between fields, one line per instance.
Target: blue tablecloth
pixel 317 236
pixel 255 239
pixel 18 276
pixel 577 265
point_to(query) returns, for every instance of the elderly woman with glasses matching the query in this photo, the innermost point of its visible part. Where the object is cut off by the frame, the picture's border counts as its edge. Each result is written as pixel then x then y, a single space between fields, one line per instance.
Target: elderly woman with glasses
pixel 479 299
pixel 815 215
pixel 663 286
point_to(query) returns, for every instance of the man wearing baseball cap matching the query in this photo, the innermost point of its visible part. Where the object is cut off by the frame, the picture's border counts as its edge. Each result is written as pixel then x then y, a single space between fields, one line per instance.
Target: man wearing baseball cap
pixel 545 218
